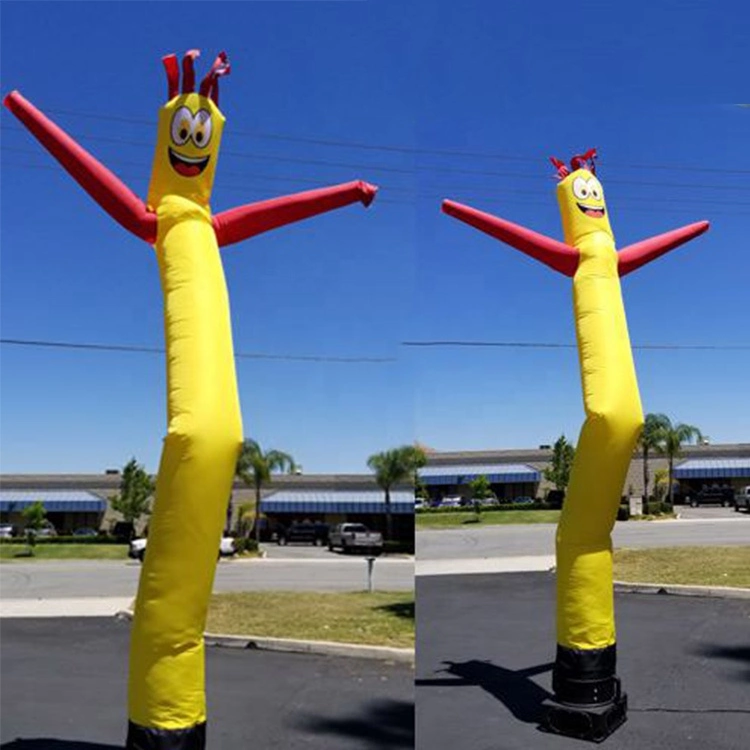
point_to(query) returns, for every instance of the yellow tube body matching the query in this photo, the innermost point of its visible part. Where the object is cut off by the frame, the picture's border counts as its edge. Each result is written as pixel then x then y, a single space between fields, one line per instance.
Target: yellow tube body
pixel 167 687
pixel 614 417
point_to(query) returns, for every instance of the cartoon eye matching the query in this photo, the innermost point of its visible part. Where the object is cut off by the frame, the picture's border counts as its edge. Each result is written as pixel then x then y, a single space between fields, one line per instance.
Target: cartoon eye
pixel 581 188
pixel 182 126
pixel 596 190
pixel 202 128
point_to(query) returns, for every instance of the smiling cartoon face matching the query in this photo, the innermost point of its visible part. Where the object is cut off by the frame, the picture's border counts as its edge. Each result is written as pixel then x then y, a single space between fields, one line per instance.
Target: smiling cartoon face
pixel 582 207
pixel 187 148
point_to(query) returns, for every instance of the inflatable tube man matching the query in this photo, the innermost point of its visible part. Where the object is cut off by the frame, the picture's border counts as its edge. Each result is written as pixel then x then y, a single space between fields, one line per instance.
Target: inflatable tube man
pixel 166 694
pixel 587 691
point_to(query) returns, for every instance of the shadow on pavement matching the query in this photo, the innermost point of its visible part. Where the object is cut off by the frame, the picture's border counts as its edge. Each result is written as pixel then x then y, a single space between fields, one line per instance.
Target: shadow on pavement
pixel 514 688
pixel 48 744
pixel 382 724
pixel 735 653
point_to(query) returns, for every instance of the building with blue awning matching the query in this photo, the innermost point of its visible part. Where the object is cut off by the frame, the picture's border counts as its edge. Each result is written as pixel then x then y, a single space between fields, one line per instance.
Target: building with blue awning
pixel 66 509
pixel 509 481
pixel 709 469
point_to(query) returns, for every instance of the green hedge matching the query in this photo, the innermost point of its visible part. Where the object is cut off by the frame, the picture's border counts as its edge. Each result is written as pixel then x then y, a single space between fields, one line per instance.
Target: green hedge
pixel 65 540
pixel 537 505
pixel 398 547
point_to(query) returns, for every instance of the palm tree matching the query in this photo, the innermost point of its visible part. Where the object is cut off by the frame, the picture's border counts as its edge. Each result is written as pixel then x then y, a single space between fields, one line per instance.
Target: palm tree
pixel 649 440
pixel 255 467
pixel 393 467
pixel 671 439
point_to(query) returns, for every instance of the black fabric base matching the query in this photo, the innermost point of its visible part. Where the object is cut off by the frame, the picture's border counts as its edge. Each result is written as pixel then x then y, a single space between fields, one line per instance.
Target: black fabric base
pixel 585 677
pixel 143 738
pixel 593 723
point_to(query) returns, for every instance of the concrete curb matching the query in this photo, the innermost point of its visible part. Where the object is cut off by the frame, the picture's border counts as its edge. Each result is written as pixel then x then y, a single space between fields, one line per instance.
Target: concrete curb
pixel 676 589
pixel 290 645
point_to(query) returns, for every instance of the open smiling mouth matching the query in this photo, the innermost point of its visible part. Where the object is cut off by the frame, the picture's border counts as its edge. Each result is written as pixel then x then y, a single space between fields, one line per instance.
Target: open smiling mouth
pixel 596 211
pixel 187 166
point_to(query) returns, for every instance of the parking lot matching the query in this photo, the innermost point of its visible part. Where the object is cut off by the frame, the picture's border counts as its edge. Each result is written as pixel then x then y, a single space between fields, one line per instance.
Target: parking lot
pixel 64 688
pixel 706 511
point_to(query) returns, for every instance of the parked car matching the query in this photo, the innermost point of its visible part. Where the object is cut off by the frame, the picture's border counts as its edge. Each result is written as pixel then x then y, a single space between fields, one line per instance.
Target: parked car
pixel 304 532
pixel 137 548
pixel 420 503
pixel 489 502
pixel 355 537
pixel 742 500
pixel 8 530
pixel 46 529
pixel 85 531
pixel 451 502
pixel 713 495
pixel 523 500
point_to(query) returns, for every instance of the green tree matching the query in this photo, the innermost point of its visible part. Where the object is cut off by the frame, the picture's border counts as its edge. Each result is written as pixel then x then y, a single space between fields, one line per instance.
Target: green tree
pixel 661 477
pixel 254 468
pixel 392 467
pixel 671 439
pixel 481 489
pixel 136 489
pixel 34 516
pixel 558 472
pixel 649 441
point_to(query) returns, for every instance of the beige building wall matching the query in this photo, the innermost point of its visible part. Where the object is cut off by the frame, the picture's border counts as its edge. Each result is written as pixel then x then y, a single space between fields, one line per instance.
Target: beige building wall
pixel 106 485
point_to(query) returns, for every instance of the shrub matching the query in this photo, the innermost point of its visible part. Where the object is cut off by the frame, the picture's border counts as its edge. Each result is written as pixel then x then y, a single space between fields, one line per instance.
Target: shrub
pixel 623 513
pixel 403 547
pixel 65 540
pixel 245 544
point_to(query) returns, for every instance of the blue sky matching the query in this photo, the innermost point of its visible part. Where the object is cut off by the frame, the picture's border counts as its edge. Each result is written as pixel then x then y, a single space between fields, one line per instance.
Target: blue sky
pixel 469 100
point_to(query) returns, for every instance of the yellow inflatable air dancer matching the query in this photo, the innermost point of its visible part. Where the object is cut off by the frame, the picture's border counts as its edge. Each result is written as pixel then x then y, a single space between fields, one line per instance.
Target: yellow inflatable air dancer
pixel 588 699
pixel 166 695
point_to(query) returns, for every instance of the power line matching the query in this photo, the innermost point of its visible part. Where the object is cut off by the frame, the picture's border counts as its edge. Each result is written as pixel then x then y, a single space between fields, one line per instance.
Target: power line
pixel 675 205
pixel 394 170
pixel 369 360
pixel 409 198
pixel 408 149
pixel 549 345
pixel 160 350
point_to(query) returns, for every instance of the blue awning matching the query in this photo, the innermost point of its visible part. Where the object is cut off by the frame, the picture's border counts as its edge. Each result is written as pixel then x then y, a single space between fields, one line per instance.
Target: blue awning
pixel 337 501
pixel 12 501
pixel 465 473
pixel 718 468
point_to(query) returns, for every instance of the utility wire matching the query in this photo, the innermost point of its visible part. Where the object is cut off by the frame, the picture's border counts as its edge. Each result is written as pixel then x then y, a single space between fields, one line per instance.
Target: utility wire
pixel 160 350
pixel 401 149
pixel 396 170
pixel 675 204
pixel 409 197
pixel 542 345
pixel 370 360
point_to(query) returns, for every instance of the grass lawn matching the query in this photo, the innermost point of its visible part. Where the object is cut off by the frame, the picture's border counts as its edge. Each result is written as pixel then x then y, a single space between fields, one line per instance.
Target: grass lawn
pixel 377 619
pixel 486 518
pixel 65 552
pixel 698 566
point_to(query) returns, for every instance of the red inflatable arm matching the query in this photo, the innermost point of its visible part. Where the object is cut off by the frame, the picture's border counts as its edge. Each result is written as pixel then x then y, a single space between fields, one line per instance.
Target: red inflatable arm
pixel 246 221
pixel 555 254
pixel 102 185
pixel 637 255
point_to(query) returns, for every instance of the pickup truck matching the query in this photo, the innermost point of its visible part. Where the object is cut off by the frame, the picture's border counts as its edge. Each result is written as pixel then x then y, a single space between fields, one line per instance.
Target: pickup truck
pixel 355 537
pixel 742 499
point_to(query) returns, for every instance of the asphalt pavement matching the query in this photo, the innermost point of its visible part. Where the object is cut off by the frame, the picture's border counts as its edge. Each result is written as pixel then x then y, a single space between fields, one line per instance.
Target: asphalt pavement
pixel 64 688
pixel 485 645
